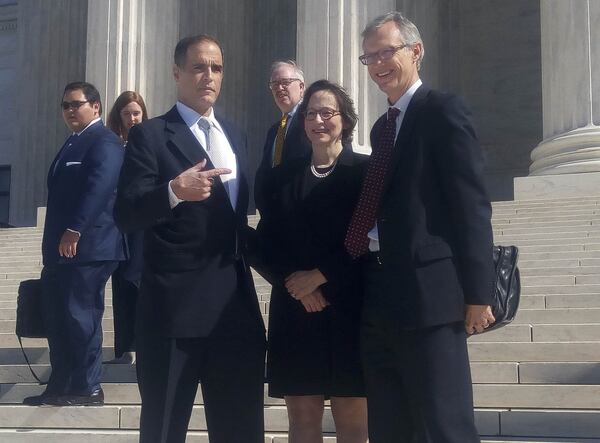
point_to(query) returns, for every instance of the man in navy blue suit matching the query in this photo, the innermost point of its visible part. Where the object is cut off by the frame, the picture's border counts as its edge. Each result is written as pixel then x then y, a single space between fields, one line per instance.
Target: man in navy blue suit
pixel 80 248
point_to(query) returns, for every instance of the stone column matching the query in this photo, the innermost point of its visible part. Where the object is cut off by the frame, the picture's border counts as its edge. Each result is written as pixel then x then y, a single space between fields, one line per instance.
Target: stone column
pixel 328 44
pixel 51 53
pixel 130 46
pixel 571 89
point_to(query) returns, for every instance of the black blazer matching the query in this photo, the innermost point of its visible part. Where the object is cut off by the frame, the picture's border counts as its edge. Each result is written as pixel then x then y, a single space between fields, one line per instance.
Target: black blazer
pixel 296 145
pixel 192 253
pixel 299 232
pixel 435 217
pixel 82 183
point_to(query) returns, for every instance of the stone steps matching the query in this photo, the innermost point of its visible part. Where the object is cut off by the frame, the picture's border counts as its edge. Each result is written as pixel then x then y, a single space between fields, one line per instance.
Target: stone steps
pixel 537 231
pixel 538 377
pixel 121 436
pixel 483 351
pixel 567 423
pixel 557 301
pixel 537 396
pixel 499 373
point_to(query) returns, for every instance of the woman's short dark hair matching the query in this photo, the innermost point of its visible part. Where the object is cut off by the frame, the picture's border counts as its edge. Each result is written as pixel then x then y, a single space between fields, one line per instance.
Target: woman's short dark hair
pixel 90 92
pixel 345 105
pixel 114 121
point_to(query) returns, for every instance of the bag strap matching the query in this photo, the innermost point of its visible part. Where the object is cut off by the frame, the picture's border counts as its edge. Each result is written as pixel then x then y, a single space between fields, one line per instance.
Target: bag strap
pixel 29 364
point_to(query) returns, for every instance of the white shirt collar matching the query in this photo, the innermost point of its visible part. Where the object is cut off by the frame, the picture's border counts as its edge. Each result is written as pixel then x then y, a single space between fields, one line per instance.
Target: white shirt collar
pixel 294 109
pixel 191 117
pixel 89 124
pixel 404 101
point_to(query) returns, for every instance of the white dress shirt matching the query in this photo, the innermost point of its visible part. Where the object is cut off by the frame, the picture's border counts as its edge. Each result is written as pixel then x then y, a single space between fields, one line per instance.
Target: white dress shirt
pixel 402 105
pixel 230 181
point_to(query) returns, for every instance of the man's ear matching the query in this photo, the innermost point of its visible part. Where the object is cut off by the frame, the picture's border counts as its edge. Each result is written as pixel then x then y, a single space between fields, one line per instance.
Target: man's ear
pixel 416 50
pixel 96 107
pixel 176 72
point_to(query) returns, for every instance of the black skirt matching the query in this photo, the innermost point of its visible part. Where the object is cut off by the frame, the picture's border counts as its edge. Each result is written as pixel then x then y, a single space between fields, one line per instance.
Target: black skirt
pixel 312 353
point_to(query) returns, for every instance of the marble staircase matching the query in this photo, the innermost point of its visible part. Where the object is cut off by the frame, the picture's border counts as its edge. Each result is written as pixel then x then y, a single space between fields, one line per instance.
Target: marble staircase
pixel 536 380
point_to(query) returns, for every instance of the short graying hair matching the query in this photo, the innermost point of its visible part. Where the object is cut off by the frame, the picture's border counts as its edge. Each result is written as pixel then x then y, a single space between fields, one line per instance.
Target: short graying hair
pixel 408 31
pixel 292 64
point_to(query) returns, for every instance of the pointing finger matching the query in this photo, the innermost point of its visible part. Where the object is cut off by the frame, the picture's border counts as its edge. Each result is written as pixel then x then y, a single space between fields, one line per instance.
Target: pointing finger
pixel 216 172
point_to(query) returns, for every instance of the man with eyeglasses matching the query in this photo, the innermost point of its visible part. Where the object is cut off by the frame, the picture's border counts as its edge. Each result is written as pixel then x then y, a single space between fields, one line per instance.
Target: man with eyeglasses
pixel 422 231
pixel 81 247
pixel 285 139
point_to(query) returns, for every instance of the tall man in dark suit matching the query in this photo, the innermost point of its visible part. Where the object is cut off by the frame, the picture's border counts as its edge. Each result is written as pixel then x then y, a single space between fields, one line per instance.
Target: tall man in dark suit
pixel 286 139
pixel 81 247
pixel 184 181
pixel 422 229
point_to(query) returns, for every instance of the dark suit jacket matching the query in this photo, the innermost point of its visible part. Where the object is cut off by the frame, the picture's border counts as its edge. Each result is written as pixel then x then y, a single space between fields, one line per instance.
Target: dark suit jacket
pixel 192 253
pixel 296 145
pixel 434 219
pixel 82 185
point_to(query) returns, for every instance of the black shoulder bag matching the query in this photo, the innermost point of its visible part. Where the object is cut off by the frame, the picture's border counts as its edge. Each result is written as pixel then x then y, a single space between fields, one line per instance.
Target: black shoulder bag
pixel 30 319
pixel 507 290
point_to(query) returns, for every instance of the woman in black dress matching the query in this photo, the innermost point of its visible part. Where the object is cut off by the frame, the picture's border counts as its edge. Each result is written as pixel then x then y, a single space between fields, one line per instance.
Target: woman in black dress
pixel 315 301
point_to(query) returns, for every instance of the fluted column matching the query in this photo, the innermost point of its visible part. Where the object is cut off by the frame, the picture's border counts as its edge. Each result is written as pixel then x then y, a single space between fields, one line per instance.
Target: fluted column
pixel 130 46
pixel 328 44
pixel 51 53
pixel 570 88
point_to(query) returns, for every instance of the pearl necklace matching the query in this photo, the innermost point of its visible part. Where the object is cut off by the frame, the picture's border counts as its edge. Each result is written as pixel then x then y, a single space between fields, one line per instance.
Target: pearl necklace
pixel 322 174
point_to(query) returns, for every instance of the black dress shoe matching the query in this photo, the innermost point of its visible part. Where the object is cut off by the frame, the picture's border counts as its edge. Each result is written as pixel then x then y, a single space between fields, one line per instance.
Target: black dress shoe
pixel 96 398
pixel 41 400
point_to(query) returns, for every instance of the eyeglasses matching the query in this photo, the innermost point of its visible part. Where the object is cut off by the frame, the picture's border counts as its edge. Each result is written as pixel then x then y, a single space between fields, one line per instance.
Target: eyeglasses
pixel 285 82
pixel 73 105
pixel 325 114
pixel 382 54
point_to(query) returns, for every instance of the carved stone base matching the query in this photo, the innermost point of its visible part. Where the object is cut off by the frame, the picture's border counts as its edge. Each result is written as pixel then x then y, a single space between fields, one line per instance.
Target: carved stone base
pixel 571 152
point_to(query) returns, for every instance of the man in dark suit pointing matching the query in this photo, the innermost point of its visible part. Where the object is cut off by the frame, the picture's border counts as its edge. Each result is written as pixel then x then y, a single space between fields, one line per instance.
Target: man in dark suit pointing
pixel 422 229
pixel 80 248
pixel 184 181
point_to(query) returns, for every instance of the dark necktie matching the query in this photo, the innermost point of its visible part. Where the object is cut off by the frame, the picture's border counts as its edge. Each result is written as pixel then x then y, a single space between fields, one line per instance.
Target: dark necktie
pixel 365 213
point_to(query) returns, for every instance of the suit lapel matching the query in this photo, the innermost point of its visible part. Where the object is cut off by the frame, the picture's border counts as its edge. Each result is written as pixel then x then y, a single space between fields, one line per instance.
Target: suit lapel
pixel 268 151
pixel 408 124
pixel 182 139
pixel 77 142
pixel 53 164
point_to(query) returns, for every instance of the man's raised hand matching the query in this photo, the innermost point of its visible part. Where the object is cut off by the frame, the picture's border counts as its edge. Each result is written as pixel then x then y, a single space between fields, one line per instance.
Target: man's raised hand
pixel 195 183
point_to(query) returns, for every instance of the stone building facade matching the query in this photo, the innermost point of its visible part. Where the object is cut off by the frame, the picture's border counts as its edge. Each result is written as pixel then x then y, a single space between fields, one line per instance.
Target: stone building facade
pixel 529 70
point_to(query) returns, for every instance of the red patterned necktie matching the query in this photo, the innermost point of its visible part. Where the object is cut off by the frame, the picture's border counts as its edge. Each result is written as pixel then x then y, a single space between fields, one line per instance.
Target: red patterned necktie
pixel 365 213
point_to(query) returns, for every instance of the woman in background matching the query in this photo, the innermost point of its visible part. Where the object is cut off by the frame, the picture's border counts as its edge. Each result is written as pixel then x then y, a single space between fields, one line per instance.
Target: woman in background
pixel 129 109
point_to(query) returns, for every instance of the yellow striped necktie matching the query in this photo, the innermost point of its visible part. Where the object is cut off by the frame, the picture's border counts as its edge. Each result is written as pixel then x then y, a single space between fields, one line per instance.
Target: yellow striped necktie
pixel 279 139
